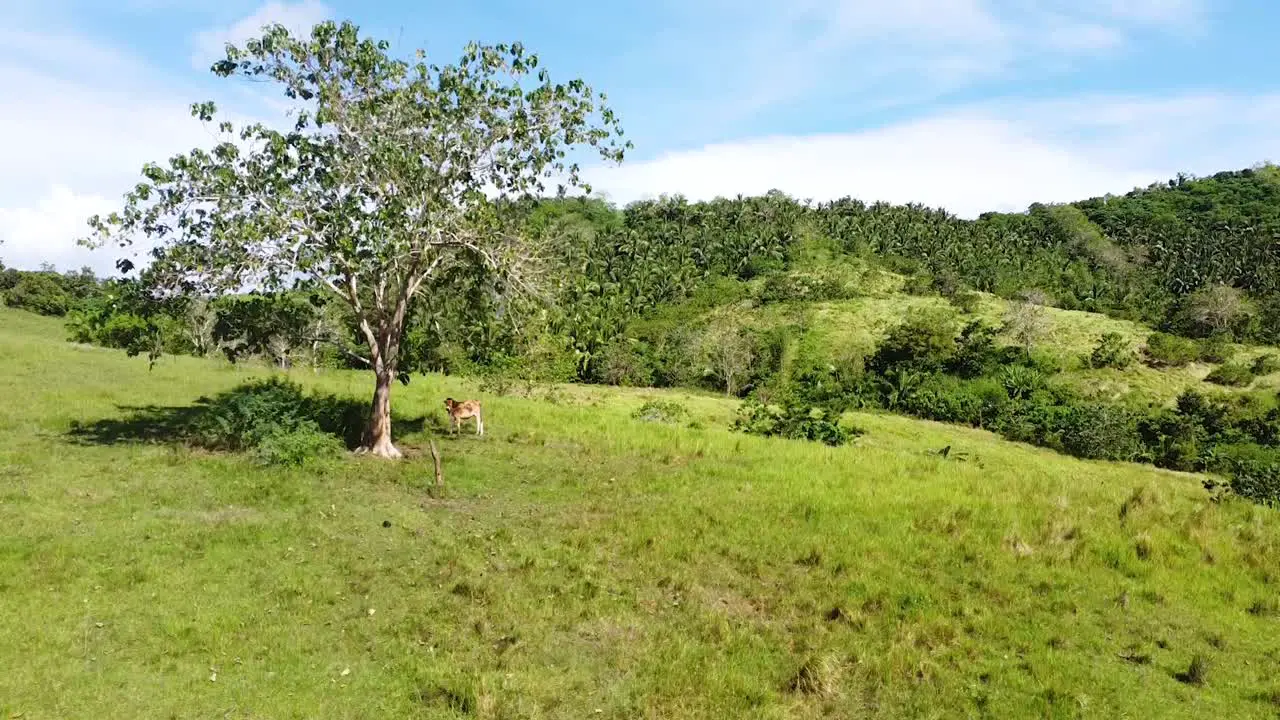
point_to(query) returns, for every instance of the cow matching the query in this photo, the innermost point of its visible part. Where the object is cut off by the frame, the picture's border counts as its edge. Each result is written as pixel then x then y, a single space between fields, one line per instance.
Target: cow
pixel 459 411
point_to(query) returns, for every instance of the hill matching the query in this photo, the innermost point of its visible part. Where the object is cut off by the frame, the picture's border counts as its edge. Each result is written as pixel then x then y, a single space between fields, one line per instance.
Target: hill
pixel 584 559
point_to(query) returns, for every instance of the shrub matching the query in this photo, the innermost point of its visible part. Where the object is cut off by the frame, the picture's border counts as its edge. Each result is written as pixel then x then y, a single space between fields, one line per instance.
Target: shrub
pixel 1021 382
pixel 1098 431
pixel 625 362
pixel 966 301
pixel 976 352
pixel 664 411
pixel 274 419
pixel 980 403
pixel 1025 320
pixel 919 284
pixel 296 446
pixel 793 421
pixel 1112 351
pixel 824 284
pixel 1212 310
pixel 1231 374
pixel 1254 471
pixel 39 293
pixel 730 354
pixel 1165 350
pixel 925 342
pixel 1216 349
pixel 1173 440
pixel 838 386
pixel 1265 364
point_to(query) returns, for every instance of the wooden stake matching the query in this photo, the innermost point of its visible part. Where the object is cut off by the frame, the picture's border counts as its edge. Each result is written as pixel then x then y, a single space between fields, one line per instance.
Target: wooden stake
pixel 438 490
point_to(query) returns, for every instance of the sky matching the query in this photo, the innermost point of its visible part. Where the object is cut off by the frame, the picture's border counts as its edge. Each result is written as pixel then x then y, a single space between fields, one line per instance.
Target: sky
pixel 970 105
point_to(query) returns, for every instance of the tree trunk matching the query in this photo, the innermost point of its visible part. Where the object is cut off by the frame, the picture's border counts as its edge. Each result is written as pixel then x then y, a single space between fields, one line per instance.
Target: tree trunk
pixel 378 436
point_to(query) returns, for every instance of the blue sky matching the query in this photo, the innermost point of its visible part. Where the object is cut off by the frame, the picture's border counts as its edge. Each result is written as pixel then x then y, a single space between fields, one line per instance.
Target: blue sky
pixel 966 104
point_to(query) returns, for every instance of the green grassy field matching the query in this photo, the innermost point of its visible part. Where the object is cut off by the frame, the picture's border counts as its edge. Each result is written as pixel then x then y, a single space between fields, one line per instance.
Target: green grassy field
pixel 587 564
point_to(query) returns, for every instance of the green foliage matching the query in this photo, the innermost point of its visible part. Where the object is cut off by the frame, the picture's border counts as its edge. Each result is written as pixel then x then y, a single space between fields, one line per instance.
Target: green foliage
pixel 299 445
pixel 1112 351
pixel 925 342
pixel 274 418
pixel 794 421
pixel 1165 350
pixel 1216 309
pixel 1253 472
pixel 1217 349
pixel 39 293
pixel 1265 364
pixel 1098 431
pixel 265 210
pixel 663 411
pixel 1231 374
pixel 826 283
pixel 966 301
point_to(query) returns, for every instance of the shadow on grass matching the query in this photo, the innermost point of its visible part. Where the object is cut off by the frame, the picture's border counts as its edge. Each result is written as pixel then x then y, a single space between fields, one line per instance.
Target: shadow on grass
pixel 238 419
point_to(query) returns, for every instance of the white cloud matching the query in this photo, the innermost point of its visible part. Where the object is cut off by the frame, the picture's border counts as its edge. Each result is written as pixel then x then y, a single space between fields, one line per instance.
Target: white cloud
pixel 299 17
pixel 45 232
pixel 992 157
pixel 72 145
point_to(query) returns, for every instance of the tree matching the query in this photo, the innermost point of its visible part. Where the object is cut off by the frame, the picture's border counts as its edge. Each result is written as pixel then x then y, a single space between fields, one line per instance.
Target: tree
pixel 1025 320
pixel 39 292
pixel 730 351
pixel 1215 310
pixel 388 187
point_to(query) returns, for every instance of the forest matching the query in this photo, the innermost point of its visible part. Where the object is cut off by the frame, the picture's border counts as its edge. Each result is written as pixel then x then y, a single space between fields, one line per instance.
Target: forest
pixel 1194 257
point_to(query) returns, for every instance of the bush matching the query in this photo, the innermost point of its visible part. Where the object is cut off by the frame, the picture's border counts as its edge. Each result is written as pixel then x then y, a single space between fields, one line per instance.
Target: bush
pixel 39 293
pixel 625 362
pixel 1165 350
pixel 1265 364
pixel 925 342
pixel 1219 310
pixel 1231 374
pixel 1254 472
pixel 1112 351
pixel 299 445
pixel 839 386
pixel 980 403
pixel 824 284
pixel 919 284
pixel 793 421
pixel 1020 382
pixel 276 421
pixel 966 301
pixel 1099 432
pixel 976 352
pixel 664 411
pixel 1217 349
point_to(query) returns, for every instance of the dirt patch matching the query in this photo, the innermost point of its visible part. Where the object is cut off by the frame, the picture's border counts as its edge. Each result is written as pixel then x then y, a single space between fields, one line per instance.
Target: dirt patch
pixel 728 602
pixel 221 516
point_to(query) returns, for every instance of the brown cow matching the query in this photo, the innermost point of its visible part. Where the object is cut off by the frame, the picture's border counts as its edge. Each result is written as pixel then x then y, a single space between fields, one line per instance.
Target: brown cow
pixel 459 411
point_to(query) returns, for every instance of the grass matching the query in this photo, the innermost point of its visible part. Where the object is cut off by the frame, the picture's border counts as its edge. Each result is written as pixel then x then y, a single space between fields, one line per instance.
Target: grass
pixel 854 327
pixel 585 561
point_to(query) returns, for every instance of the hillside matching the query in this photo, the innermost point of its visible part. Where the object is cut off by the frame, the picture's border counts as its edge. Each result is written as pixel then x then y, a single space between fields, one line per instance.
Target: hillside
pixel 585 560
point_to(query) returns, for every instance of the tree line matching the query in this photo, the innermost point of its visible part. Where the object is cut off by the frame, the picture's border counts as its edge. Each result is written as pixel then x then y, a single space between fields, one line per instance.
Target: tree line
pixel 1195 257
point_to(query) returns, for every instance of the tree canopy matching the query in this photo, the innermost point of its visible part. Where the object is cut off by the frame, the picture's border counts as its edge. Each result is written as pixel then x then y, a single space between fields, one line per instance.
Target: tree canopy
pixel 387 187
